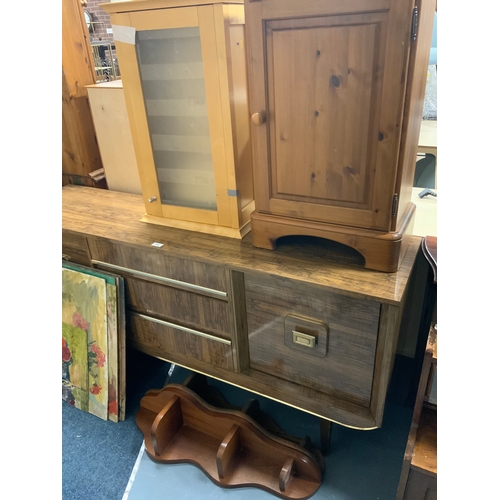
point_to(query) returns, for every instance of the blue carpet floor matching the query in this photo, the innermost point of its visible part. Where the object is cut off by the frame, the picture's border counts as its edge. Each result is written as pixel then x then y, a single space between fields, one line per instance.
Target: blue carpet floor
pixel 98 456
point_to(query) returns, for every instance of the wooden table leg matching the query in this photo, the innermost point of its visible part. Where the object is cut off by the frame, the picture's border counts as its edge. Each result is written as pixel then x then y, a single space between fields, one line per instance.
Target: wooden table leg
pixel 325 427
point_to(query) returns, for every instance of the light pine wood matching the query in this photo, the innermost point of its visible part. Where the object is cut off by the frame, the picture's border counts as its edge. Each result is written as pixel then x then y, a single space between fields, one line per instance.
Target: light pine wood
pixel 112 126
pixel 80 153
pixel 125 6
pixel 221 307
pixel 415 92
pixel 223 55
pixel 328 94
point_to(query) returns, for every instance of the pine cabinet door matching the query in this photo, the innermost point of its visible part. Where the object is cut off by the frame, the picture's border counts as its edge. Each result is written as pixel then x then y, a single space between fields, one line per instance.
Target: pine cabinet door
pixel 327 82
pixel 171 83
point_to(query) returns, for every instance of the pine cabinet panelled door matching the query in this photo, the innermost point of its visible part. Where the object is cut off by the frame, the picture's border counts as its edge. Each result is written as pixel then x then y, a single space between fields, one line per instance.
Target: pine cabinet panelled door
pixel 330 88
pixel 184 78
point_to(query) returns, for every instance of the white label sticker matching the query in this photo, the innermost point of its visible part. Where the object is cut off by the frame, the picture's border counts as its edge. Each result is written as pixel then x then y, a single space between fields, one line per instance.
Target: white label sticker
pixel 125 34
pixel 156 244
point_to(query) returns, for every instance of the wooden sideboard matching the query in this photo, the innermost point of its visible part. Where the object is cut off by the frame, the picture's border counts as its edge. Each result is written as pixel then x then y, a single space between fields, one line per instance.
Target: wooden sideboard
pixel 307 325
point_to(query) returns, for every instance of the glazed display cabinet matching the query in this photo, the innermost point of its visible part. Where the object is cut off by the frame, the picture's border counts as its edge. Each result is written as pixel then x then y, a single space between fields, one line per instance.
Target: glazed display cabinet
pixel 183 68
pixel 336 93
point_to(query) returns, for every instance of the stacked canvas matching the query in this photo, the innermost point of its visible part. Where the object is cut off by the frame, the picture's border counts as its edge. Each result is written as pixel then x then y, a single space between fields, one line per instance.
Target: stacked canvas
pixel 93 341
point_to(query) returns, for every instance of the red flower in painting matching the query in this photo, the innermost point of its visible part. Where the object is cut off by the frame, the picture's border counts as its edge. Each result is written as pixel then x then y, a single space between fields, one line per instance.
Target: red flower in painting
pixel 79 322
pixel 113 408
pixel 100 357
pixel 95 389
pixel 66 354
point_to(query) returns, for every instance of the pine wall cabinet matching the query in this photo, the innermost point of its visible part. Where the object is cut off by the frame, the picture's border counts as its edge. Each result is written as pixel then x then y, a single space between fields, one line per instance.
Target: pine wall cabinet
pixel 336 96
pixel 183 69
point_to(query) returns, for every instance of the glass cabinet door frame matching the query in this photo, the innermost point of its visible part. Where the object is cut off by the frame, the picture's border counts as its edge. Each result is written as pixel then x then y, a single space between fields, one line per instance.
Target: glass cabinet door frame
pixel 202 17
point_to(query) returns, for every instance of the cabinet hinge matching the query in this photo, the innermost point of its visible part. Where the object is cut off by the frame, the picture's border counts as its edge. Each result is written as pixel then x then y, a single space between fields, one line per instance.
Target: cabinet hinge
pixel 395 205
pixel 414 24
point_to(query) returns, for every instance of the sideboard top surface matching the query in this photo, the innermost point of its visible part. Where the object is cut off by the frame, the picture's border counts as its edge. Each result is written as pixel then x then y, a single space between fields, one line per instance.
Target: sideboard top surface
pixel 116 216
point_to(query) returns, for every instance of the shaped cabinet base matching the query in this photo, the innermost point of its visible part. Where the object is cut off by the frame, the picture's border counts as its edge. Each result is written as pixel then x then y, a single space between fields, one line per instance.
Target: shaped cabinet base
pixel 381 251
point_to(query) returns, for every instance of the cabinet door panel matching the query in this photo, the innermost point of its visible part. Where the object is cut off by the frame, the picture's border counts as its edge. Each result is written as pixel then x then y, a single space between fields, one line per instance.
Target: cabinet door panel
pixel 173 91
pixel 331 89
pixel 320 112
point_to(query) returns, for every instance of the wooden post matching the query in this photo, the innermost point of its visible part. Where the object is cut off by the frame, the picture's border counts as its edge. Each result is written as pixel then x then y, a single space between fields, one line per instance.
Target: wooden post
pixel 80 152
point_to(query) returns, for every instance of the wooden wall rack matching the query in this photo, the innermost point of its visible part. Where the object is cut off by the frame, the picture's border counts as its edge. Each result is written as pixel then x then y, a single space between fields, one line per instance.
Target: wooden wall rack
pixel 230 446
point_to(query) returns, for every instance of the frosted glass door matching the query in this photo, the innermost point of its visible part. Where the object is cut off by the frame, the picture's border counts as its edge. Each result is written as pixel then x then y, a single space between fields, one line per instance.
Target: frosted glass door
pixel 171 71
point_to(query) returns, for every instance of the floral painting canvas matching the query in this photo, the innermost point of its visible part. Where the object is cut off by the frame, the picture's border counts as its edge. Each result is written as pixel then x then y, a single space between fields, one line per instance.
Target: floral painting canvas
pixel 115 353
pixel 84 307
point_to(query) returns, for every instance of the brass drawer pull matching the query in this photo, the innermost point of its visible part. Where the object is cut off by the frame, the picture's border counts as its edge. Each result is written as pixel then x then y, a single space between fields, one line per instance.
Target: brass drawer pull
pixel 304 339
pixel 182 328
pixel 170 281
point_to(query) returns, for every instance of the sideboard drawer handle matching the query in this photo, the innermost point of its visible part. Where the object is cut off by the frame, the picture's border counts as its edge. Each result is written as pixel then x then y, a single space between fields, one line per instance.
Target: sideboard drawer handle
pixel 182 328
pixel 304 339
pixel 170 281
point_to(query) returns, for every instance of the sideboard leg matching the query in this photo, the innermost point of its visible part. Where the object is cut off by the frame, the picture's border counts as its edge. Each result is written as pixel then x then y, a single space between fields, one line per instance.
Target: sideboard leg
pixel 325 427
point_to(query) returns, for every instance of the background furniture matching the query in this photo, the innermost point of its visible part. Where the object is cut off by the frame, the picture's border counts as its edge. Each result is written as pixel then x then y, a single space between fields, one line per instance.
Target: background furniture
pixel 418 479
pixel 112 126
pixel 80 153
pixel 426 168
pixel 307 325
pixel 184 77
pixel 336 94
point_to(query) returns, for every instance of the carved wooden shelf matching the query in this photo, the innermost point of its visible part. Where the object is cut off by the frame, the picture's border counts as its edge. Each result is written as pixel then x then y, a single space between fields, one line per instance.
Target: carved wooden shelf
pixel 228 445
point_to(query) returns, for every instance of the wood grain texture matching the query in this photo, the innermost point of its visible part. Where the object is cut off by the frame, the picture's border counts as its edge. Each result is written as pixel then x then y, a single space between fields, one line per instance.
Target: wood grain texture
pixel 224 83
pixel 381 251
pixel 156 262
pixel 331 85
pixel 115 217
pixel 320 282
pixel 177 344
pixel 112 126
pixel 330 81
pixel 80 152
pixel 191 309
pixel 130 6
pixel 75 248
pixel 230 447
pixel 346 370
pixel 238 314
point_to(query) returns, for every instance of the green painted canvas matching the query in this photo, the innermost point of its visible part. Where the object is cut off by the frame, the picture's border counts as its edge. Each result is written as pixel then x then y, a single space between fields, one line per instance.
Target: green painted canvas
pixel 75 366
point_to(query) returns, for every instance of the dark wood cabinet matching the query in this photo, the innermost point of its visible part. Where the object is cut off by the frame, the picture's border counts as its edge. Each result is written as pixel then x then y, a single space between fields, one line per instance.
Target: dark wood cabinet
pixel 336 94
pixel 307 325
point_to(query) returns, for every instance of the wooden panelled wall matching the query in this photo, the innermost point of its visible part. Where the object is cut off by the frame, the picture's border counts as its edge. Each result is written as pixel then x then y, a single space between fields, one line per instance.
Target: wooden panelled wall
pixel 80 152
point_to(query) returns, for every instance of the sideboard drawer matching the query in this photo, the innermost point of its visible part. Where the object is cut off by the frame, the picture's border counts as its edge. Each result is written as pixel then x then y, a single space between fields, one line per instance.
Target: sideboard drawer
pixel 75 249
pixel 312 336
pixel 178 344
pixel 189 308
pixel 154 264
